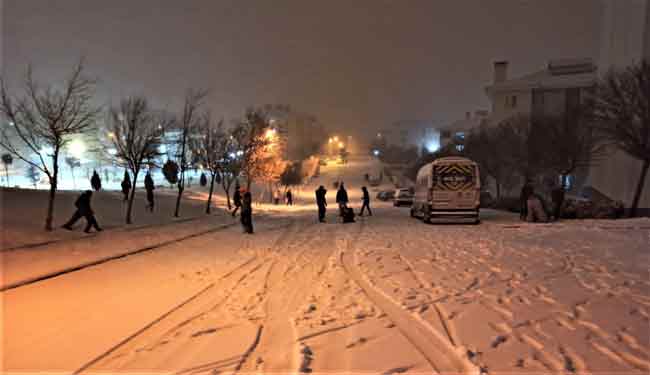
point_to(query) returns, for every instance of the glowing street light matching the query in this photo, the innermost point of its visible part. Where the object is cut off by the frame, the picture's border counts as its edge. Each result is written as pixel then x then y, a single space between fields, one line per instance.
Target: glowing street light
pixel 341 145
pixel 270 133
pixel 375 152
pixel 336 138
pixel 77 148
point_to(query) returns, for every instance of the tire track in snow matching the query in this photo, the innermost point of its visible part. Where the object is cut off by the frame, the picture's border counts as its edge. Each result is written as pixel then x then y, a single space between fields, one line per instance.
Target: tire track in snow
pixel 277 323
pixel 438 352
pixel 255 261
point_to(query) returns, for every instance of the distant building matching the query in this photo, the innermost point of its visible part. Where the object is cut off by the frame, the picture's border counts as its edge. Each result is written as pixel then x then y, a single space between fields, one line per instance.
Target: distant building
pixel 560 87
pixel 456 131
pixel 412 133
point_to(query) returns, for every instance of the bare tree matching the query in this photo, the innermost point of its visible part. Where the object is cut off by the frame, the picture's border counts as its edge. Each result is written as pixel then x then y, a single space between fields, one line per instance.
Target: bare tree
pixel 250 135
pixel 73 163
pixel 209 149
pixel 574 144
pixel 486 146
pixel 7 160
pixel 135 134
pixel 230 166
pixel 186 126
pixel 42 120
pixel 620 109
pixel 523 144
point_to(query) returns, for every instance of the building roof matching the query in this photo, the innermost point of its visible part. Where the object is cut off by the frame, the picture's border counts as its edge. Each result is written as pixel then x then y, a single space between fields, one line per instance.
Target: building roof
pixel 567 73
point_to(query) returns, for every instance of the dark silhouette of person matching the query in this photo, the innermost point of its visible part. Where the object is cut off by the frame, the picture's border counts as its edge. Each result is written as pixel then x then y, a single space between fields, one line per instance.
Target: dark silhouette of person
pixel 342 199
pixel 366 202
pixel 526 191
pixel 557 197
pixel 95 181
pixel 247 213
pixel 289 197
pixel 236 199
pixel 321 202
pixel 536 211
pixel 149 188
pixel 83 210
pixel 126 186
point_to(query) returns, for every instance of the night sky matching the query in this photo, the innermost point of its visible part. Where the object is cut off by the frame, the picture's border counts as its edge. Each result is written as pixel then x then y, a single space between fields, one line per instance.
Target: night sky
pixel 358 64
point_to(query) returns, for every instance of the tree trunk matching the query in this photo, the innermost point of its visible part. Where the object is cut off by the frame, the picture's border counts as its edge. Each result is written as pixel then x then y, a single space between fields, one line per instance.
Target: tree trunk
pixel 178 200
pixel 7 174
pixel 226 189
pixel 130 205
pixel 181 188
pixel 53 184
pixel 498 185
pixel 50 205
pixel 639 188
pixel 207 207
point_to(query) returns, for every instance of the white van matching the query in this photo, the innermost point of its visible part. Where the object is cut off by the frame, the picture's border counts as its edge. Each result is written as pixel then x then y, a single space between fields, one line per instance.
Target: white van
pixel 449 189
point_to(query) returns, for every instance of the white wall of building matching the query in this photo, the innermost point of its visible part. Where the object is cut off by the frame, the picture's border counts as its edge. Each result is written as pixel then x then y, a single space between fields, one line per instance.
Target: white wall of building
pixel 624 41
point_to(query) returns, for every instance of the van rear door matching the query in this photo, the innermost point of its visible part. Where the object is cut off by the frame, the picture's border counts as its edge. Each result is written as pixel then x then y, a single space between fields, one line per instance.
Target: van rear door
pixel 454 185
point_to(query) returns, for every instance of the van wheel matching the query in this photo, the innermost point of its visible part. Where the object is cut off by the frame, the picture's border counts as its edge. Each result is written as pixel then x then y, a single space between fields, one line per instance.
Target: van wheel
pixel 412 212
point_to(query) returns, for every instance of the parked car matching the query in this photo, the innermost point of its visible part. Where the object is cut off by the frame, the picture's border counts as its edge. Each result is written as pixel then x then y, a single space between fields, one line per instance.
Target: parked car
pixel 386 195
pixel 403 197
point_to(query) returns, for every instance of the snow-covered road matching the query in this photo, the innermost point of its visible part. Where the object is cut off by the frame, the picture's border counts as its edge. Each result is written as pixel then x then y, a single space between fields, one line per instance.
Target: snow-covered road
pixel 385 295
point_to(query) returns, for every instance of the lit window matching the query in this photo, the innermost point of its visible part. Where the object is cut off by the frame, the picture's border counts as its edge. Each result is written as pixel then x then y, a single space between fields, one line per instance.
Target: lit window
pixel 460 147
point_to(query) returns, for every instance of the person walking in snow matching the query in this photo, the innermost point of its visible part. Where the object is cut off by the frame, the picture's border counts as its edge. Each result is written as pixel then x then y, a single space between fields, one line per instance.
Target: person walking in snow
pixel 342 199
pixel 526 191
pixel 149 188
pixel 247 213
pixel 83 210
pixel 321 202
pixel 289 198
pixel 557 197
pixel 366 201
pixel 535 212
pixel 126 186
pixel 236 199
pixel 276 197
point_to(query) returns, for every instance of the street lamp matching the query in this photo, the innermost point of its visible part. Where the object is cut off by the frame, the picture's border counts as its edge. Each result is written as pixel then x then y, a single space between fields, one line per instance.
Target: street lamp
pixel 341 145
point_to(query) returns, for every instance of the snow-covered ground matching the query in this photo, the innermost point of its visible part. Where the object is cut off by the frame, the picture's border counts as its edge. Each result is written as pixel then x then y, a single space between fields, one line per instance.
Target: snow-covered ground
pixel 385 295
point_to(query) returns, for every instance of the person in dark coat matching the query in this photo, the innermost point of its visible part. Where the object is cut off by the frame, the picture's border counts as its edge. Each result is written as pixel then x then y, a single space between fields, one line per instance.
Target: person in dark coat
pixel 557 197
pixel 83 210
pixel 321 202
pixel 526 191
pixel 289 197
pixel 342 199
pixel 126 186
pixel 149 187
pixel 366 201
pixel 247 213
pixel 535 211
pixel 236 199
